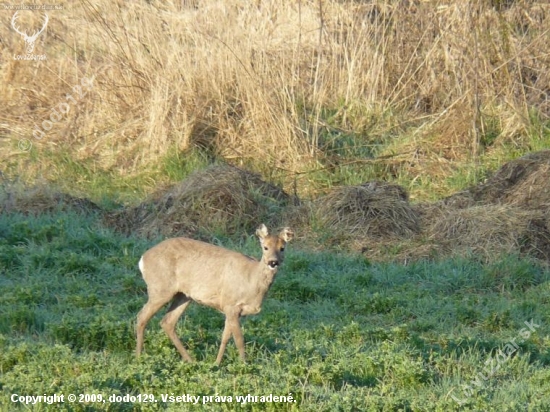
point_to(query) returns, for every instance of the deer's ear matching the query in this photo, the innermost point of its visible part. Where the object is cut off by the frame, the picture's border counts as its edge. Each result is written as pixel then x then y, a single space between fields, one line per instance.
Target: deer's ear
pixel 262 232
pixel 286 234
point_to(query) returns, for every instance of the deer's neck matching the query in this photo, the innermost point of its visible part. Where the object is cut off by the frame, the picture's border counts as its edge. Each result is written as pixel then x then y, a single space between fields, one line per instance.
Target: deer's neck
pixel 262 278
pixel 259 282
pixel 267 277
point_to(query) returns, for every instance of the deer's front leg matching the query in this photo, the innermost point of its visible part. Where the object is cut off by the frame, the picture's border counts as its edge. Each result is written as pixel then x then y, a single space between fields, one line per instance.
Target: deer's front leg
pixel 238 336
pixel 232 327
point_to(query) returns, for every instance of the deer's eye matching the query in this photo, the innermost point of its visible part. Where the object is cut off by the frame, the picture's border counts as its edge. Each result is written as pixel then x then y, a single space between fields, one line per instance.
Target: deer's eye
pixel 283 249
pixel 265 247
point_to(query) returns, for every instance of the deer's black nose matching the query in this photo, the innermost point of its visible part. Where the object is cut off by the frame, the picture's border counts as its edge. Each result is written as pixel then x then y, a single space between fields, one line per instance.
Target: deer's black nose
pixel 273 263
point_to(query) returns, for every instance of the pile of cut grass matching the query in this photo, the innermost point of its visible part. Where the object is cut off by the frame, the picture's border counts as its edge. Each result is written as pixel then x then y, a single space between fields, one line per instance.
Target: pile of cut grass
pixel 373 210
pixel 219 199
pixel 506 214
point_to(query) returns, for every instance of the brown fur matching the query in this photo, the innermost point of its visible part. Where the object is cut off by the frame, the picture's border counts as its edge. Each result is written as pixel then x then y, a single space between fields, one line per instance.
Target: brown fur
pixel 185 270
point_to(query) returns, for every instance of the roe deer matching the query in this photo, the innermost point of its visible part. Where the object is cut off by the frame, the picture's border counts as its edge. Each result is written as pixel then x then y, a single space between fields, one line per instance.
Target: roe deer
pixel 185 270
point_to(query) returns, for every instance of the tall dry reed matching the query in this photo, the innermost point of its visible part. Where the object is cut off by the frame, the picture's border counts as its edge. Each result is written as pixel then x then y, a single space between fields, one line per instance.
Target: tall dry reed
pixel 253 82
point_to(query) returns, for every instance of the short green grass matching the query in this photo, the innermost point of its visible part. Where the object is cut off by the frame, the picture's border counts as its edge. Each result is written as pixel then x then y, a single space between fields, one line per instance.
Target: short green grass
pixel 108 187
pixel 336 332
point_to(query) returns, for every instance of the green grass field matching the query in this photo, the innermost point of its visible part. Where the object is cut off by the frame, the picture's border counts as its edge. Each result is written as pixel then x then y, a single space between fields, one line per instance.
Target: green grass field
pixel 336 332
pixel 370 312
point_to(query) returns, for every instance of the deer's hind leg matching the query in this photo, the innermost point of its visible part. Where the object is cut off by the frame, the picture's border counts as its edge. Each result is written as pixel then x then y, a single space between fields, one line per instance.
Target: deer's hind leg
pixel 145 314
pixel 169 321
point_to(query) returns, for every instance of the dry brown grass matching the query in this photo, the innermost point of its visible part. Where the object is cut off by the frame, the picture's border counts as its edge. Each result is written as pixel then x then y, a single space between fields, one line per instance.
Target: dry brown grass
pixel 485 231
pixel 250 81
pixel 374 210
pixel 430 86
pixel 523 182
pixel 508 214
pixel 220 199
pixel 40 198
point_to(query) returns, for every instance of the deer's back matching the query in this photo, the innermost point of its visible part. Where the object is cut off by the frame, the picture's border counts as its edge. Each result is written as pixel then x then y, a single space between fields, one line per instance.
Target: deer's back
pixel 202 271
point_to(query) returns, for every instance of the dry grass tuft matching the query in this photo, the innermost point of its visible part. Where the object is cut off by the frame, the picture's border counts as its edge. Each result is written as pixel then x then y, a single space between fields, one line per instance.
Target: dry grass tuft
pixel 371 210
pixel 523 182
pixel 509 213
pixel 39 199
pixel 537 239
pixel 218 199
pixel 486 231
pixel 489 231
